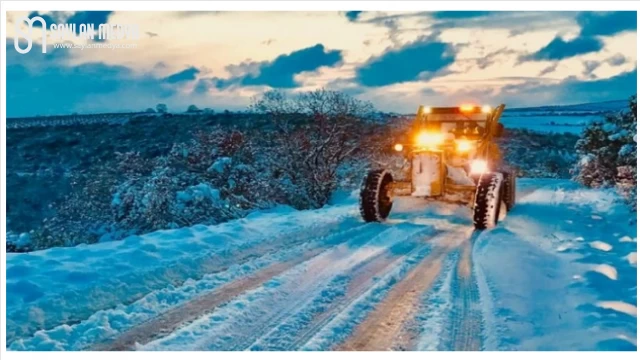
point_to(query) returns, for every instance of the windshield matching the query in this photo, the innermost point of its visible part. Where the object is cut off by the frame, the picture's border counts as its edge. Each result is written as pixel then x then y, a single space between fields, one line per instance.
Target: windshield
pixel 460 125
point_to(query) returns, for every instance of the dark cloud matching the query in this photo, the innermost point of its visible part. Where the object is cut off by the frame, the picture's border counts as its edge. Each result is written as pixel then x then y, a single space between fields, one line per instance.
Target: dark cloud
pixel 460 14
pixel 616 60
pixel 589 68
pixel 406 64
pixel 202 86
pixel 184 75
pixel 559 49
pixel 46 84
pixel 608 23
pixel 551 68
pixel 493 57
pixel 48 18
pixel 537 91
pixel 280 72
pixel 353 15
pixel 572 90
pixel 592 24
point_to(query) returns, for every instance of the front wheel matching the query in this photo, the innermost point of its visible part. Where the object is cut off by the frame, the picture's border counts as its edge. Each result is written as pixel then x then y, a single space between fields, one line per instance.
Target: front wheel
pixel 375 196
pixel 509 189
pixel 488 199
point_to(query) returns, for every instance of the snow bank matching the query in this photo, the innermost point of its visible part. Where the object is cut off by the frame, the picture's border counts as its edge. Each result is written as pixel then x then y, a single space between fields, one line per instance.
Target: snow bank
pixel 60 285
pixel 567 251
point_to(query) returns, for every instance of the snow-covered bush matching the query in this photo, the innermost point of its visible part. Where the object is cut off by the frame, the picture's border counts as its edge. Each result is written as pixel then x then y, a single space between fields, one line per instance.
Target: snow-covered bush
pixel 147 175
pixel 535 154
pixel 18 242
pixel 84 215
pixel 608 153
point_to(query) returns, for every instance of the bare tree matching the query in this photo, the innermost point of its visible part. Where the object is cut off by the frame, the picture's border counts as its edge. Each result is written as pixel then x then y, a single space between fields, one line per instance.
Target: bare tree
pixel 316 133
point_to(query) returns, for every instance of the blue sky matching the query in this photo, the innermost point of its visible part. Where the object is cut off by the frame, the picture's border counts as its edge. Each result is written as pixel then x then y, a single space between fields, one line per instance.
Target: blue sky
pixel 397 60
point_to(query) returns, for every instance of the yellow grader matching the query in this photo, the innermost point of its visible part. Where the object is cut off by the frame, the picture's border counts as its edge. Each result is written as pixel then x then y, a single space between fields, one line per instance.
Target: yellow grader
pixel 450 155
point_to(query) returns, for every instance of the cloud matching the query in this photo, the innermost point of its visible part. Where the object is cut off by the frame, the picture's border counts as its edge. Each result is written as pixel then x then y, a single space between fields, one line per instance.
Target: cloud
pixel 491 58
pixel 559 49
pixel 551 68
pixel 589 67
pixel 184 75
pixel 79 17
pixel 48 18
pixel 609 23
pixel 34 85
pixel 616 60
pixel 202 86
pixel 574 91
pixel 459 14
pixel 417 60
pixel 535 92
pixel 96 87
pixel 592 24
pixel 90 17
pixel 353 15
pixel 280 72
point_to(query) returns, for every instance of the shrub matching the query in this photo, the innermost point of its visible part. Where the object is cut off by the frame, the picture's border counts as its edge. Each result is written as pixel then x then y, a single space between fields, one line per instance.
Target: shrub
pixel 162 108
pixel 608 153
pixel 315 133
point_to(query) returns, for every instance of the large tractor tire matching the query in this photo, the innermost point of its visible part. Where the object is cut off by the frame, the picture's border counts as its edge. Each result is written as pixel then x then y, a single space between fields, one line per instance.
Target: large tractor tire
pixel 375 199
pixel 488 200
pixel 509 190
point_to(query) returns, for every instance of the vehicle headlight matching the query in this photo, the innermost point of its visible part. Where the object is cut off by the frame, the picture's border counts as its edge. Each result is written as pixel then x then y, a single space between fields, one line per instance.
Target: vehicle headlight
pixel 463 145
pixel 479 166
pixel 429 139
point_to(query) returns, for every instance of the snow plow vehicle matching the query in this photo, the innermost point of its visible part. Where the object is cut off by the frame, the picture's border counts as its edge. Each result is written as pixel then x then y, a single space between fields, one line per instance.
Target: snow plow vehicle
pixel 450 155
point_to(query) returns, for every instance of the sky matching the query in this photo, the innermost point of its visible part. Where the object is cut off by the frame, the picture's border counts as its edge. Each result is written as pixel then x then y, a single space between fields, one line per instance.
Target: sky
pixel 396 60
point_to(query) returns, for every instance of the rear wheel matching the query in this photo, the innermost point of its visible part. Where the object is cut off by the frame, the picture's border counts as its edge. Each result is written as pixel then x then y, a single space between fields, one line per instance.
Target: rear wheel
pixel 375 199
pixel 488 199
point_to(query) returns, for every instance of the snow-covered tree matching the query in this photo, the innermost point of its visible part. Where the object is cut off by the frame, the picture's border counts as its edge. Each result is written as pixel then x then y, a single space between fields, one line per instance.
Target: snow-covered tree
pixel 608 152
pixel 316 132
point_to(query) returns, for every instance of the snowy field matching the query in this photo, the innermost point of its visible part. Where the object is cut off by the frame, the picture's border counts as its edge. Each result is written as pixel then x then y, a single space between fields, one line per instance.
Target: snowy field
pixel 549 123
pixel 558 273
pixel 560 119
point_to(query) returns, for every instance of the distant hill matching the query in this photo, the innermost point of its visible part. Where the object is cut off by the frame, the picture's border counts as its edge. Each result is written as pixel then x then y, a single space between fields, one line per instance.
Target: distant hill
pixel 599 107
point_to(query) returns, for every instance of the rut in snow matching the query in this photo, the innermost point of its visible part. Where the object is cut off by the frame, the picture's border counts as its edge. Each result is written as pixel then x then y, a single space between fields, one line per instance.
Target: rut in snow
pixel 386 327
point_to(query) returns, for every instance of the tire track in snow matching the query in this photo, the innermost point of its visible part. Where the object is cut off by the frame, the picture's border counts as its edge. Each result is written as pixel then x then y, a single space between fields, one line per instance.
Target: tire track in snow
pixel 236 325
pixel 187 312
pixel 318 312
pixel 466 326
pixel 113 293
pixel 385 328
pixel 172 319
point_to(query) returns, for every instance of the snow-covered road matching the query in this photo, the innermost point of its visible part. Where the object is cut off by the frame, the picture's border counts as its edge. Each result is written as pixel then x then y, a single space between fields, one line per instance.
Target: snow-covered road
pixel 558 273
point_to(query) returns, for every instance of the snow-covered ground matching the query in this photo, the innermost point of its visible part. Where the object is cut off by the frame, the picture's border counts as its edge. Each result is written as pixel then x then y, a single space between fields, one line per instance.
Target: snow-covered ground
pixel 558 273
pixel 549 123
pixel 561 119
